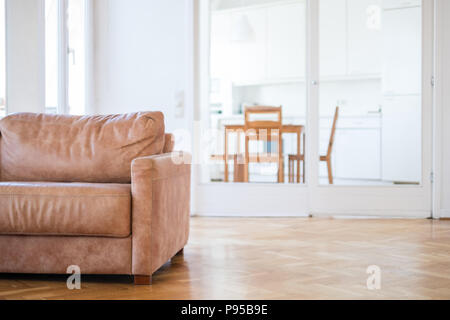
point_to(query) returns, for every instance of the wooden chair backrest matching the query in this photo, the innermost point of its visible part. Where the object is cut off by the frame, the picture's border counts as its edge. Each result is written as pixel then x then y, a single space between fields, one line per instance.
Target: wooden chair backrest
pixel 333 132
pixel 263 124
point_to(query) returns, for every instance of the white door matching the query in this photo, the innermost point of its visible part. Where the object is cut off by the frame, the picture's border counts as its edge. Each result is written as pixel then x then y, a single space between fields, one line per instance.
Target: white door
pixel 266 42
pixel 403 39
pixel 346 65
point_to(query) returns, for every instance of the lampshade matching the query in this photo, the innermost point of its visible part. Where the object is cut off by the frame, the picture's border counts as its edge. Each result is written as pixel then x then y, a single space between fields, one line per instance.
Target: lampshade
pixel 242 30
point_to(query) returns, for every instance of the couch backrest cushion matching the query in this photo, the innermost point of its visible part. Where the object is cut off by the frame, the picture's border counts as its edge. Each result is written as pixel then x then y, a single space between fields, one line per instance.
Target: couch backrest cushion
pixel 61 148
pixel 169 143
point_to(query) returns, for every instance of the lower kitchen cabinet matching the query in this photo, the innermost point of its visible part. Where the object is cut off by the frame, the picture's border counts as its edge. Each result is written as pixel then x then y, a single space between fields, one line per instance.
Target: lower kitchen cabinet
pixel 357 148
pixel 357 154
pixel 401 139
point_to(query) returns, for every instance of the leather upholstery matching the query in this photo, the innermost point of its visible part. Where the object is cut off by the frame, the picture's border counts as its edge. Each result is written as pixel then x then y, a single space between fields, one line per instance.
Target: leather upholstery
pixel 73 188
pixel 161 211
pixel 94 255
pixel 65 209
pixel 169 143
pixel 60 148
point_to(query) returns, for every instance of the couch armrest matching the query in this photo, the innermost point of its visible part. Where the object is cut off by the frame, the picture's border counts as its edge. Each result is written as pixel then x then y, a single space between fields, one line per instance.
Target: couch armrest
pixel 160 211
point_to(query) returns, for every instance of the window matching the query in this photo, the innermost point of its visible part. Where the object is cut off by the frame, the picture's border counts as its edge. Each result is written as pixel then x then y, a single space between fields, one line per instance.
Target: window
pixel 51 56
pixel 77 56
pixel 2 59
pixel 65 46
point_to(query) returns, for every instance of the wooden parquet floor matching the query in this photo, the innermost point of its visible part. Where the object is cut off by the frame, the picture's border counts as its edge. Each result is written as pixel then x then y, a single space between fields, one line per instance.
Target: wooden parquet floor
pixel 279 259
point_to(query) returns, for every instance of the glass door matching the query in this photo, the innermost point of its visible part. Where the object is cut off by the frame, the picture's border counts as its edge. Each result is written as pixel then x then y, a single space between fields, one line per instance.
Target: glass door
pixel 315 107
pixel 375 106
pixel 255 114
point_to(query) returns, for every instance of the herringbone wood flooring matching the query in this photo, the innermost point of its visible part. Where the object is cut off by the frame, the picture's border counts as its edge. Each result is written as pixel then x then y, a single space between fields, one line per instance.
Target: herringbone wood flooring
pixel 279 259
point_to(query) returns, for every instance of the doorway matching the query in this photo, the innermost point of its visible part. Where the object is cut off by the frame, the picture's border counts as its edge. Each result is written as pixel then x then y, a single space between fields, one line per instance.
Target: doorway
pixel 351 80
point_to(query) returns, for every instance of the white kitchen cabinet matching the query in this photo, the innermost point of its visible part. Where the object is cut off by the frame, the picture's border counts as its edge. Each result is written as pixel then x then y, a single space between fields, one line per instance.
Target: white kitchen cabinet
pixel 250 58
pixel 357 153
pixel 350 41
pixel 401 86
pixel 402 57
pixel 221 62
pixel 350 38
pixel 395 4
pixel 333 38
pixel 286 41
pixel 364 37
pixel 357 148
pixel 401 139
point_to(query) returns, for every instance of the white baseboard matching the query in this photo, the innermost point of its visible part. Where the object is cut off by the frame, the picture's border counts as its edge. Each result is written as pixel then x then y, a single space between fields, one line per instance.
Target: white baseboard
pixel 444 213
pixel 383 214
pixel 247 215
pixel 376 214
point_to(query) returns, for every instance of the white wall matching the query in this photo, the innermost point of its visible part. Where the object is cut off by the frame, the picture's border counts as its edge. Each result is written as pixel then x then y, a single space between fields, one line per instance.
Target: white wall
pixel 25 56
pixel 142 58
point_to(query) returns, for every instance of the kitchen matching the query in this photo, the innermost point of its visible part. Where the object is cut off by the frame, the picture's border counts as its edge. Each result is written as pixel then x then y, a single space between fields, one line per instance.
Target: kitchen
pixel 370 58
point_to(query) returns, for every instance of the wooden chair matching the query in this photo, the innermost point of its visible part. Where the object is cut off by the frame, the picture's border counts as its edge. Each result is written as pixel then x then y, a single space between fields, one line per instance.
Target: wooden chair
pixel 267 131
pixel 300 159
pixel 238 164
pixel 326 158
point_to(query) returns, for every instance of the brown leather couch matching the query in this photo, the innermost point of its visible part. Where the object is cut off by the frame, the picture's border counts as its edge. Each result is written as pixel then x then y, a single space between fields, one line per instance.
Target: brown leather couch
pixel 98 192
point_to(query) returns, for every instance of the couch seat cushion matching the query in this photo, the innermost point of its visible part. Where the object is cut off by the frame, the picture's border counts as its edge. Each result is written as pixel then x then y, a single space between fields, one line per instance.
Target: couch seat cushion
pixel 67 209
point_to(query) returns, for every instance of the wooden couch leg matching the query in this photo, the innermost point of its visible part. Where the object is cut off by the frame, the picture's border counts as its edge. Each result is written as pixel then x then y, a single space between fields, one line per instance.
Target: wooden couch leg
pixel 142 280
pixel 179 253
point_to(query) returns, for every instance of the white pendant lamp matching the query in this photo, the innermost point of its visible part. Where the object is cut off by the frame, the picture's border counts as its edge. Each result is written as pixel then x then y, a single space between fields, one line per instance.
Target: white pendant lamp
pixel 242 30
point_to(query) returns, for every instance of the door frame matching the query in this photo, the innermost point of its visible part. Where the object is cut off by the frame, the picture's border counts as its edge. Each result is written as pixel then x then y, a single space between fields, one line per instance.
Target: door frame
pixel 228 199
pixel 438 116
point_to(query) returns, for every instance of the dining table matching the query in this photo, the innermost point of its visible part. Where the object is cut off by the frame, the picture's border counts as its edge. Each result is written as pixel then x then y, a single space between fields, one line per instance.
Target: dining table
pixel 298 130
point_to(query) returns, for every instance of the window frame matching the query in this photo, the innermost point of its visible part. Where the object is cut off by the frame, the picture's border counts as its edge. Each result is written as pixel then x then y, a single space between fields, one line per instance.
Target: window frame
pixel 63 106
pixel 5 62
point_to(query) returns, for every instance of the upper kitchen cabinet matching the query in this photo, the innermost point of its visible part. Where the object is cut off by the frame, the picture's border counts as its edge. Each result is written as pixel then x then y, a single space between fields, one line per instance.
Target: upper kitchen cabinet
pixel 249 56
pixel 356 36
pixel 364 37
pixel 350 38
pixel 401 51
pixel 396 4
pixel 220 46
pixel 274 48
pixel 286 41
pixel 333 38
